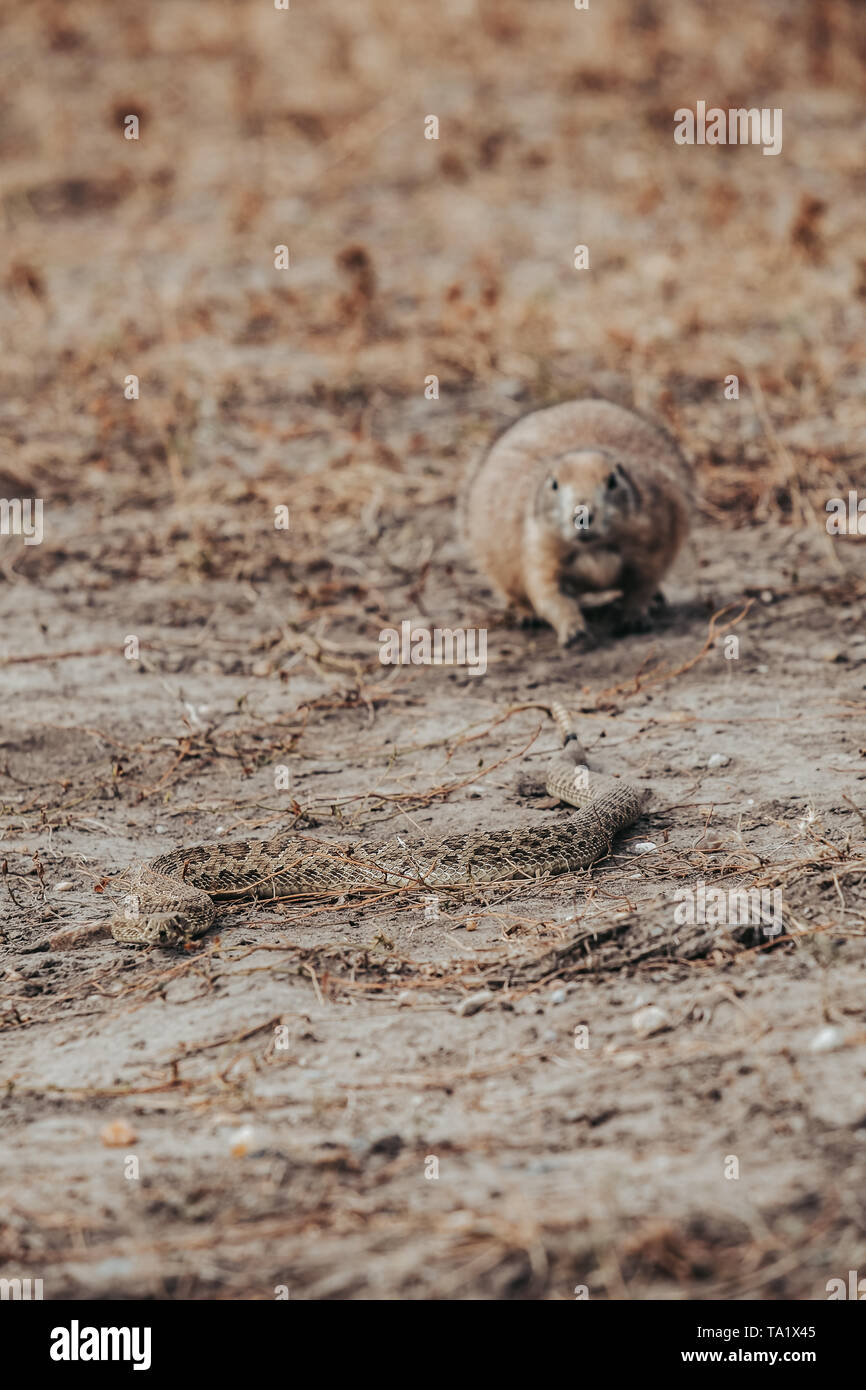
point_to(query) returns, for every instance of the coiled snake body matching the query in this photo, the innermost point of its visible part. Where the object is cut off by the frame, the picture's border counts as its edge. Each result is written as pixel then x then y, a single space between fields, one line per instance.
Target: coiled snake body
pixel 174 897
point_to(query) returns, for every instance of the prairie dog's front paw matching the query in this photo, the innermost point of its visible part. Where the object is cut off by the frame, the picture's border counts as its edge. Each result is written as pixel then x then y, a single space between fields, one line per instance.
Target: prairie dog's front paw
pixel 571 633
pixel 563 614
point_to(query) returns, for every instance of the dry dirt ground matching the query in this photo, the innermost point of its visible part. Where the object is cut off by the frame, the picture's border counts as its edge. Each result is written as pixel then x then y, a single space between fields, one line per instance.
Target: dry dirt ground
pixel 297 1101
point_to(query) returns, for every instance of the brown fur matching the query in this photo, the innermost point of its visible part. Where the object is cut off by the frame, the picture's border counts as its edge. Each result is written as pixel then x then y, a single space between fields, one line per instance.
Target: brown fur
pixel 579 498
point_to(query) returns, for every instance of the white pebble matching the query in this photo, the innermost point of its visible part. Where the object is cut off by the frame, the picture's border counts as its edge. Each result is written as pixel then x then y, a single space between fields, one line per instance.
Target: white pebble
pixel 161 829
pixel 627 1059
pixel 718 760
pixel 642 847
pixel 827 1039
pixel 559 996
pixel 64 885
pixel 650 1020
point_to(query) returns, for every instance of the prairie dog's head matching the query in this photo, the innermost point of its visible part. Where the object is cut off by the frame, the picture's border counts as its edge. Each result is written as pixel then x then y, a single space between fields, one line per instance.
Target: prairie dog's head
pixel 586 495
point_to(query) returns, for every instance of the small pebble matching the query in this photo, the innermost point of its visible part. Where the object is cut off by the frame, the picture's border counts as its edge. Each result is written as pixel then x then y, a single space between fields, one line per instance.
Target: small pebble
pixel 64 886
pixel 718 760
pixel 642 847
pixel 473 1003
pixel 627 1059
pixel 827 1039
pixel 559 996
pixel 118 1135
pixel 241 1141
pixel 650 1020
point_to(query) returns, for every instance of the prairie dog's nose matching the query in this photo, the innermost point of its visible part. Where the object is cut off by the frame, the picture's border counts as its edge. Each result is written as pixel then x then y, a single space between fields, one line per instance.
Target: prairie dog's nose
pixel 583 518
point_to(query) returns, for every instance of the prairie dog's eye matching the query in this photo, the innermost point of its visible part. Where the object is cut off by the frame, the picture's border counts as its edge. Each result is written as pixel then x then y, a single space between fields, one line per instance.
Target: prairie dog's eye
pixel 612 482
pixel 554 484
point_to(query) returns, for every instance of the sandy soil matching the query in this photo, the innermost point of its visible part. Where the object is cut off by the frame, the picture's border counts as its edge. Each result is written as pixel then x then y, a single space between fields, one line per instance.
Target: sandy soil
pixel 302 1100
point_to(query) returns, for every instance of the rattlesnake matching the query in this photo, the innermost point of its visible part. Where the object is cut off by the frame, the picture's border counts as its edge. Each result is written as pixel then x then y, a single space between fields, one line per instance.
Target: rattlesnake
pixel 173 897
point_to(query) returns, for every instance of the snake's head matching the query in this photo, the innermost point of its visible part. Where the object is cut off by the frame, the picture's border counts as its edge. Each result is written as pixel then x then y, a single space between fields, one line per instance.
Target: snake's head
pixel 162 912
pixel 140 925
pixel 148 932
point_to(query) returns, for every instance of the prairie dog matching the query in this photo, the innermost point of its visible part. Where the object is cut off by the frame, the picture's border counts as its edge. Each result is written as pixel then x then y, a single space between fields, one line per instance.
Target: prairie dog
pixel 578 498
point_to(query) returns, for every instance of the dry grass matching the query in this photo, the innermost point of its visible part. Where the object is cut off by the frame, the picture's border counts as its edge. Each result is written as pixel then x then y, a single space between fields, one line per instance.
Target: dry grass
pixel 305 388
